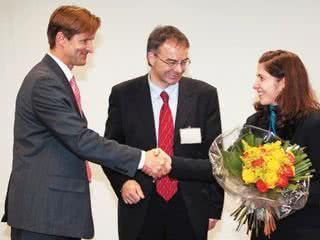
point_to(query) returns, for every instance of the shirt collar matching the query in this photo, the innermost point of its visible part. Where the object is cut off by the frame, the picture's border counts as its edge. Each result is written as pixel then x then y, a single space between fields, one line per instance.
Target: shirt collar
pixel 156 90
pixel 63 66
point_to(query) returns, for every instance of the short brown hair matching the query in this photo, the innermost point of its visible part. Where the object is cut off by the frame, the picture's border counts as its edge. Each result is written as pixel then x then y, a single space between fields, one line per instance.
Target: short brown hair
pixel 297 97
pixel 71 20
pixel 163 33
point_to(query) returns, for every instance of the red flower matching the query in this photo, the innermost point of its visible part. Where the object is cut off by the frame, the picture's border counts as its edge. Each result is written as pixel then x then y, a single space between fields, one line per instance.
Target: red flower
pixel 261 186
pixel 283 181
pixel 258 162
pixel 286 170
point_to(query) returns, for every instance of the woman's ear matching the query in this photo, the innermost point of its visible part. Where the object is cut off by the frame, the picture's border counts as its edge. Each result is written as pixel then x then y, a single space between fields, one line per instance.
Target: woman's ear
pixel 282 83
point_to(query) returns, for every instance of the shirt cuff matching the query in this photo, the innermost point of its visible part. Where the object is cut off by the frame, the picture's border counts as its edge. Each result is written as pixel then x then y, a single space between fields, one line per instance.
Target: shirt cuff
pixel 143 157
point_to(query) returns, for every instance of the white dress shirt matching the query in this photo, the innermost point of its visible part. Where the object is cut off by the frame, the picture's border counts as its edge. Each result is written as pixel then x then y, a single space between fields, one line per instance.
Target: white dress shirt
pixel 63 66
pixel 157 101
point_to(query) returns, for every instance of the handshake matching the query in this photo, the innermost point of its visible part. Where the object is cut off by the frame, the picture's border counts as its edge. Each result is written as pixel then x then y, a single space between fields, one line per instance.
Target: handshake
pixel 157 163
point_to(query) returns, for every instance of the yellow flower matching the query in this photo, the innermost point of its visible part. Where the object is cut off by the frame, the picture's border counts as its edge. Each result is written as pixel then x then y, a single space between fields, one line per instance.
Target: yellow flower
pixel 259 172
pixel 273 164
pixel 271 179
pixel 245 145
pixel 264 163
pixel 248 175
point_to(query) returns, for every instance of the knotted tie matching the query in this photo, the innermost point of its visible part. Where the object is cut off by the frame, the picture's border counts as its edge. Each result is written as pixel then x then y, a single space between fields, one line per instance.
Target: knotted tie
pixel 273 117
pixel 166 187
pixel 77 96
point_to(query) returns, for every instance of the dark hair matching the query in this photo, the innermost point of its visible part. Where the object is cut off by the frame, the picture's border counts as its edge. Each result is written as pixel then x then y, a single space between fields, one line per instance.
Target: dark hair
pixel 163 33
pixel 71 20
pixel 297 98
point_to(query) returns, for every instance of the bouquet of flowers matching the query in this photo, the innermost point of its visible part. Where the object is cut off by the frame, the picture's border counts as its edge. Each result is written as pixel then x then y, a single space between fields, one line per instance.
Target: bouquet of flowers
pixel 270 175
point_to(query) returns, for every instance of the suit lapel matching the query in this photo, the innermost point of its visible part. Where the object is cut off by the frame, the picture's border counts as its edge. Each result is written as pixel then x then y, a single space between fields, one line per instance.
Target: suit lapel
pixel 61 76
pixel 143 98
pixel 185 106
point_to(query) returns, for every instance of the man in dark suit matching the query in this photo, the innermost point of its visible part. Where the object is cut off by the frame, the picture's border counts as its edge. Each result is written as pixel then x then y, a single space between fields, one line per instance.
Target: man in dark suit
pixel 141 115
pixel 48 193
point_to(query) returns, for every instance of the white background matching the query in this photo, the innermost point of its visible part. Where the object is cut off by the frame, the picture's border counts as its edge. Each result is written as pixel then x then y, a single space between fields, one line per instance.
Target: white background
pixel 227 38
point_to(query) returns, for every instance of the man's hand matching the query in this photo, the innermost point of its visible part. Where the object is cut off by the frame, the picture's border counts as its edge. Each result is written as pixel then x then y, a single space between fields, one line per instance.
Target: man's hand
pixel 157 163
pixel 212 223
pixel 131 192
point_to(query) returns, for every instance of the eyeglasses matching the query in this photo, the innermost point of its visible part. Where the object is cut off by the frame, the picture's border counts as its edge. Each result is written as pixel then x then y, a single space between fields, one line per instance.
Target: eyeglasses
pixel 173 63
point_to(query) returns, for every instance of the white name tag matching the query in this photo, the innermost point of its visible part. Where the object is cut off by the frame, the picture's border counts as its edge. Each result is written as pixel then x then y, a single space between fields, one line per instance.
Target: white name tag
pixel 190 135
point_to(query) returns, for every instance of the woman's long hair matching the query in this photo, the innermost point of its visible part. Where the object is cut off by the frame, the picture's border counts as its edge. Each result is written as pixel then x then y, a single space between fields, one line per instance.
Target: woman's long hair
pixel 297 98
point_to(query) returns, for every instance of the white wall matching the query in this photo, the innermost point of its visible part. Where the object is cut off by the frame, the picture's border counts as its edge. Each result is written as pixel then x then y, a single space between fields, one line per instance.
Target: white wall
pixel 227 38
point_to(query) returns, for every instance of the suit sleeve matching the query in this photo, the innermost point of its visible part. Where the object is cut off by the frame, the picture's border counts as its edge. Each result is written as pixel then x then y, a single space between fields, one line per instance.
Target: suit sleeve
pixel 54 108
pixel 191 169
pixel 200 169
pixel 311 133
pixel 114 130
pixel 213 126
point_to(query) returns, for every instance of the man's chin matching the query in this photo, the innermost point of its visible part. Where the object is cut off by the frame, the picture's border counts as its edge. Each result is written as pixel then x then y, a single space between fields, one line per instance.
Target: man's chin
pixel 172 81
pixel 82 63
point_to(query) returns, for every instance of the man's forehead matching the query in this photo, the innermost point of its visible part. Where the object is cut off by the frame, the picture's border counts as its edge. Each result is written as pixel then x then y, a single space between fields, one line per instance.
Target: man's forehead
pixel 173 47
pixel 172 42
pixel 85 35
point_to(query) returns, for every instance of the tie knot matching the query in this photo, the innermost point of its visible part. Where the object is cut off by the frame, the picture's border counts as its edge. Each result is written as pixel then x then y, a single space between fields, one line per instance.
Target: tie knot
pixel 165 97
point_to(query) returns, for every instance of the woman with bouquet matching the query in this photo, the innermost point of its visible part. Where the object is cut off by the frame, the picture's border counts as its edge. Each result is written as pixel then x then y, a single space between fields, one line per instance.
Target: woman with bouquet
pixel 286 106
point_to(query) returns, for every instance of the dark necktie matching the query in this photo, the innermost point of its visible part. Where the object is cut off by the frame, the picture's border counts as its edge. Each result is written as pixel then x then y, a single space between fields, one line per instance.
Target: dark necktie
pixel 165 186
pixel 77 96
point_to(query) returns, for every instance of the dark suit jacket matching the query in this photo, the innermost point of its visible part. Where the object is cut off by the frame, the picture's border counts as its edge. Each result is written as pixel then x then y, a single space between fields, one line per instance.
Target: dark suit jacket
pixel 131 122
pixel 48 190
pixel 303 224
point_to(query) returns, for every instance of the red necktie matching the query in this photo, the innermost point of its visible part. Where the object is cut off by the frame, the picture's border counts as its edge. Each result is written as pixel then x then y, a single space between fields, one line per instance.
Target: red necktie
pixel 77 96
pixel 166 187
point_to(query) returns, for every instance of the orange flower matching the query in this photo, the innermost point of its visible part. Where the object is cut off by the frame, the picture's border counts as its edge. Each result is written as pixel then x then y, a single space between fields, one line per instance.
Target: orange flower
pixel 287 171
pixel 261 186
pixel 283 181
pixel 258 162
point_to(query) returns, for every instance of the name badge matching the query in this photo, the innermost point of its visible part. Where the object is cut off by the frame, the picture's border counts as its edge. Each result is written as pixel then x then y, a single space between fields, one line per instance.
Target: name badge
pixel 190 135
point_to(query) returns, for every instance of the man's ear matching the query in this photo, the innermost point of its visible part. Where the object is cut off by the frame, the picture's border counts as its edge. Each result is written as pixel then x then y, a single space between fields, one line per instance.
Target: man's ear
pixel 151 57
pixel 60 39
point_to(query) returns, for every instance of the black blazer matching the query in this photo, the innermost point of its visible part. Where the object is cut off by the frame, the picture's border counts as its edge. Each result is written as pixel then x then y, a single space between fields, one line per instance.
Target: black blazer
pixel 48 191
pixel 131 122
pixel 303 224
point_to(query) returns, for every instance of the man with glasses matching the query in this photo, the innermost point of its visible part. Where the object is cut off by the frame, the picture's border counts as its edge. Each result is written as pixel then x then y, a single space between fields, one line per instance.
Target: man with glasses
pixel 181 116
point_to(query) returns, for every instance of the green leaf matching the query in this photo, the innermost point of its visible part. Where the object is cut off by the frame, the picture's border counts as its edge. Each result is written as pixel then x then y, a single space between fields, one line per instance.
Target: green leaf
pixel 286 144
pixel 258 141
pixel 249 138
pixel 292 187
pixel 232 162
